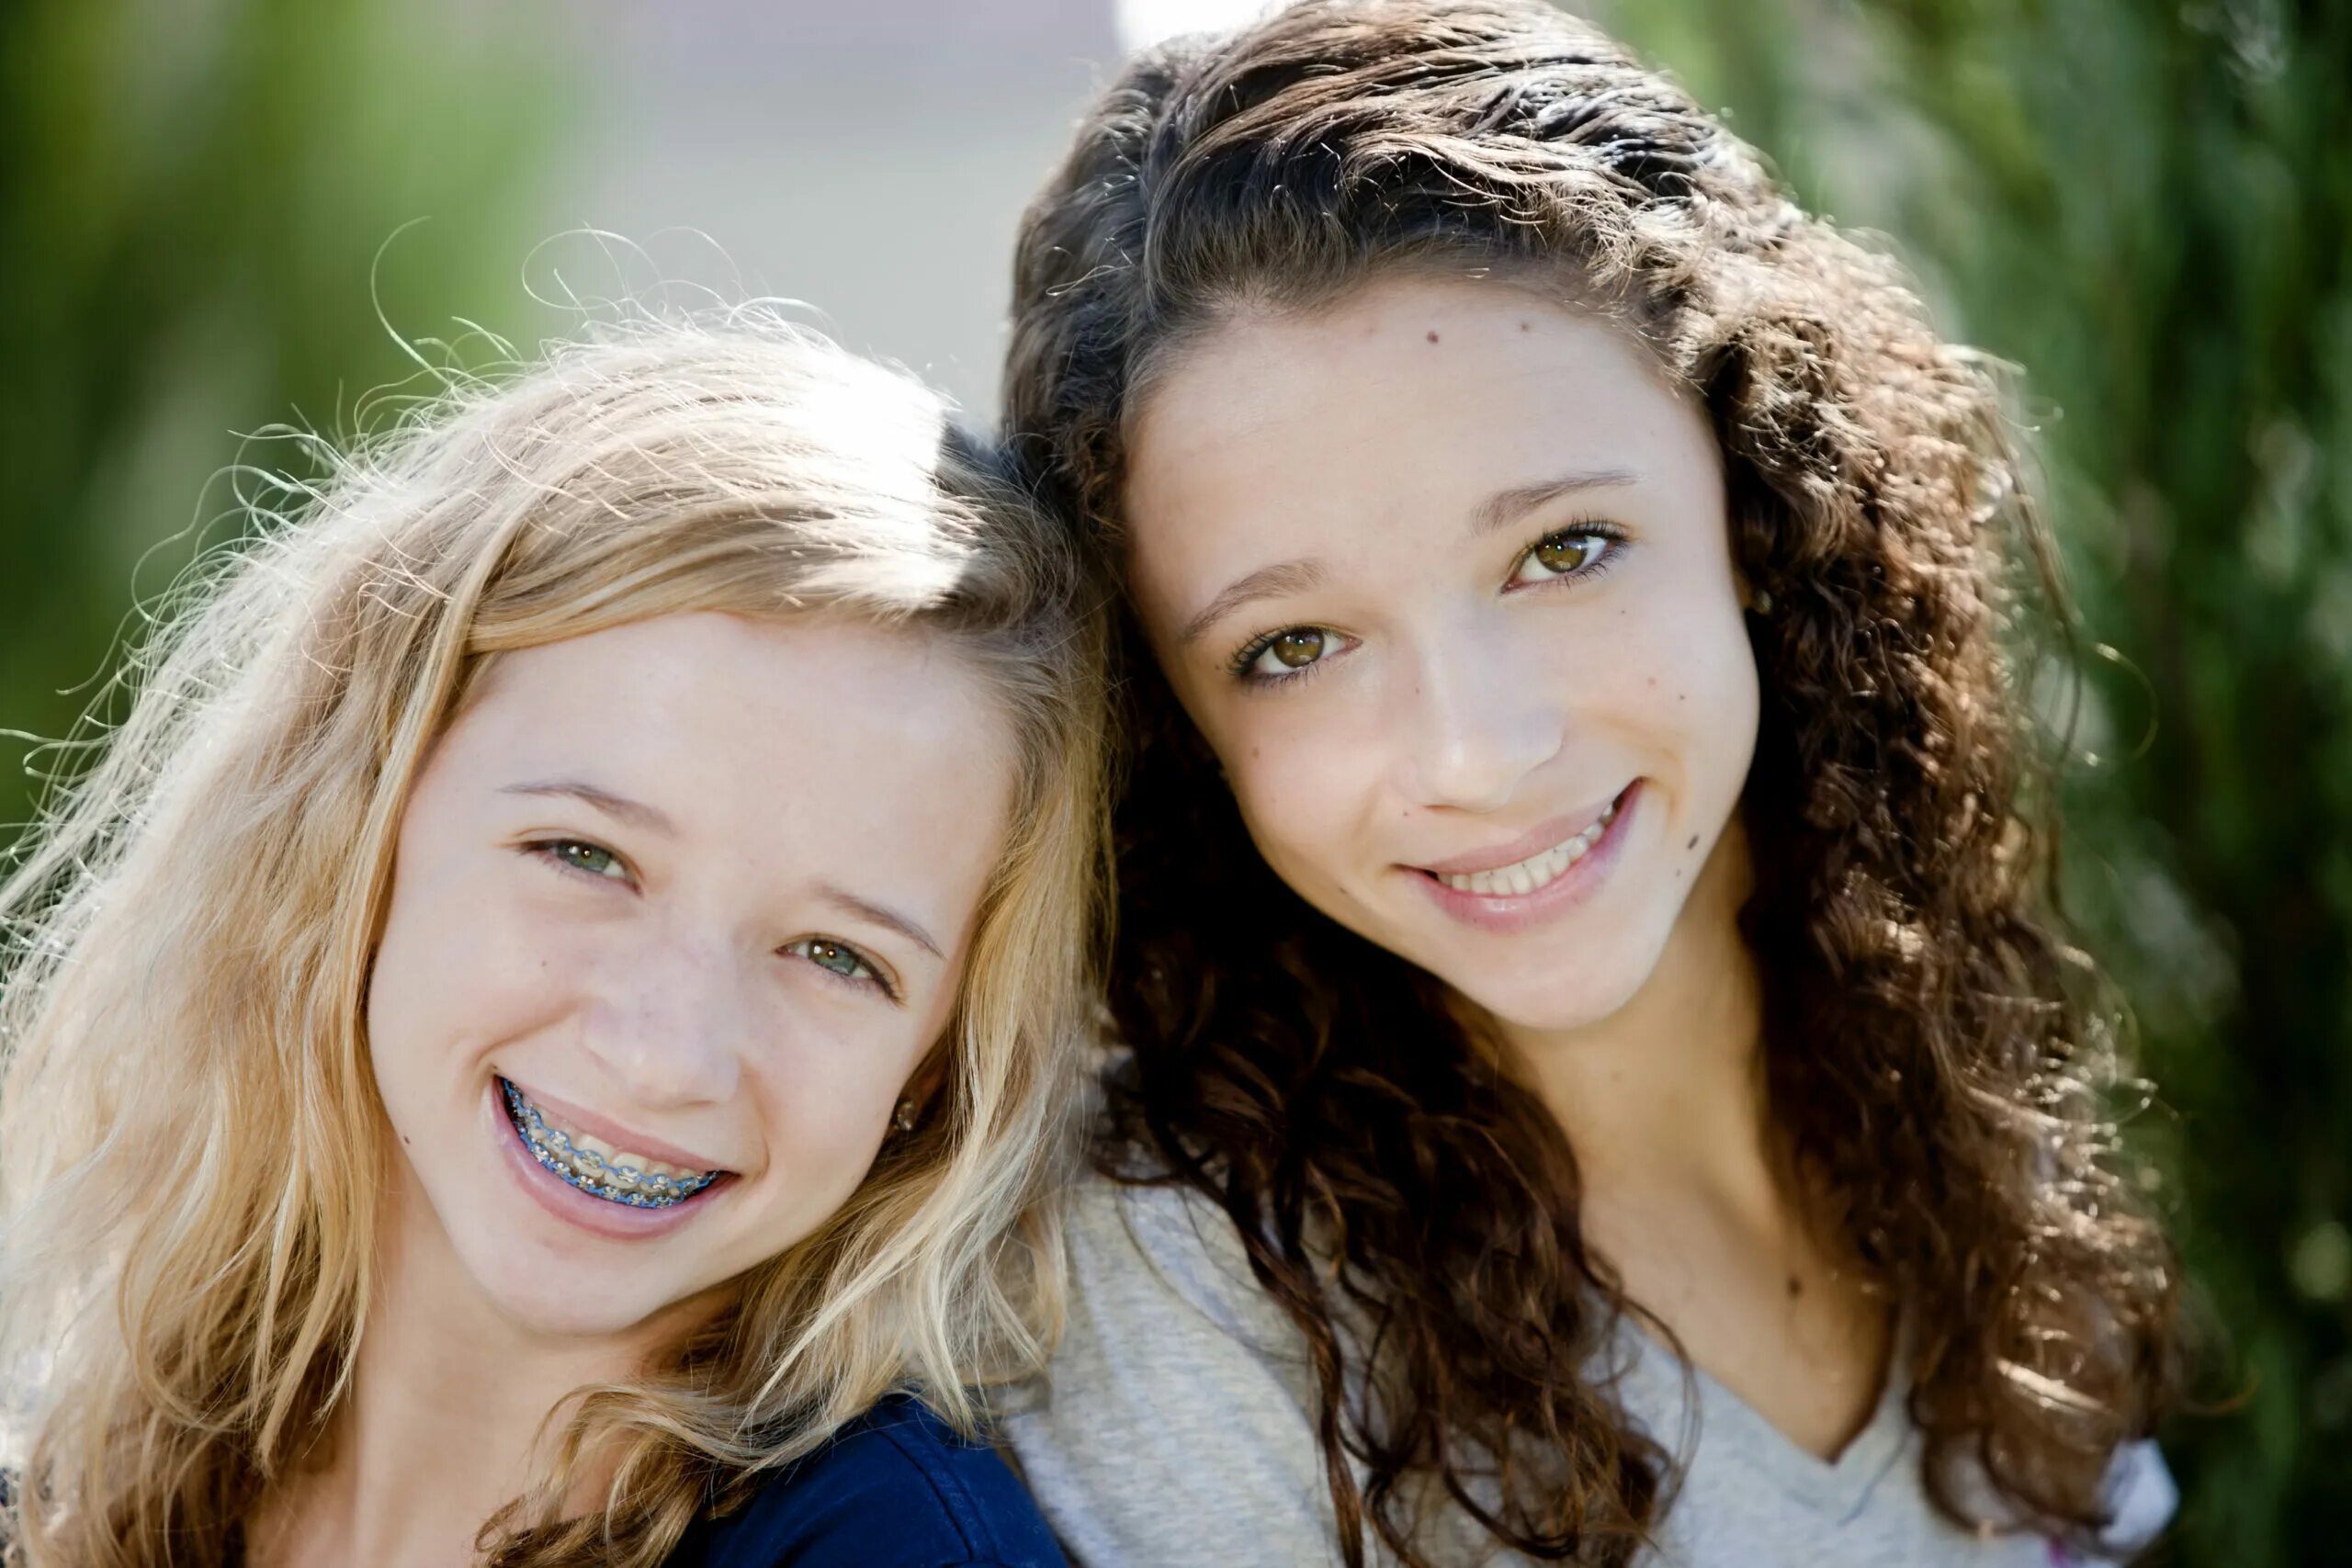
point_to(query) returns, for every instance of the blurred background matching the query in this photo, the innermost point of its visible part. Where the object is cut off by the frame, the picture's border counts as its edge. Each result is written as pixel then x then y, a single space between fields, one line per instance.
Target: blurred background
pixel 219 216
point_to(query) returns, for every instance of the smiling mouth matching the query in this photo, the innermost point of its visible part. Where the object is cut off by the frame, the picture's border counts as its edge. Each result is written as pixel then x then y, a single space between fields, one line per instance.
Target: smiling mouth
pixel 614 1175
pixel 1539 869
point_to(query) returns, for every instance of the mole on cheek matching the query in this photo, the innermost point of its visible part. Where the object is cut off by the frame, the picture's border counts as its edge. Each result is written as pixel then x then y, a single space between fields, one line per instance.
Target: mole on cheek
pixel 1693 843
pixel 1432 337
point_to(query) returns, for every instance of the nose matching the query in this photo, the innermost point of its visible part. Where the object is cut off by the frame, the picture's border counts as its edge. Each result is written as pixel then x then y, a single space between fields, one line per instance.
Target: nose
pixel 1473 722
pixel 670 1026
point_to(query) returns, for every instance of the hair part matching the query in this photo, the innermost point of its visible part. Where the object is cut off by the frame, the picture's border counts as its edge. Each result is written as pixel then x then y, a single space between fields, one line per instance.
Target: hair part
pixel 190 1141
pixel 1934 1050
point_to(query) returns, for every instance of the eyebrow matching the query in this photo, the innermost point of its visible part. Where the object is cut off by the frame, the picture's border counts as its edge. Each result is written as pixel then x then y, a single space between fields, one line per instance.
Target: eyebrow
pixel 881 915
pixel 619 807
pixel 1505 507
pixel 1266 582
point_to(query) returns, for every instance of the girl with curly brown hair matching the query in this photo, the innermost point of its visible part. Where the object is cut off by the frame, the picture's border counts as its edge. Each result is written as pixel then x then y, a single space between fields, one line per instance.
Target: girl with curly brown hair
pixel 1601 1077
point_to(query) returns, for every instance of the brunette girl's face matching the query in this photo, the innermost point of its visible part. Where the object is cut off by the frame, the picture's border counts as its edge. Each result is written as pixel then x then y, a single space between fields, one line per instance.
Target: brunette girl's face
pixel 679 908
pixel 1443 574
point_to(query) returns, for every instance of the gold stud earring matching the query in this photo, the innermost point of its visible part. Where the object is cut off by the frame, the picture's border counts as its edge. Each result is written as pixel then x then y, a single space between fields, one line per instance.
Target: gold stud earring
pixel 903 1117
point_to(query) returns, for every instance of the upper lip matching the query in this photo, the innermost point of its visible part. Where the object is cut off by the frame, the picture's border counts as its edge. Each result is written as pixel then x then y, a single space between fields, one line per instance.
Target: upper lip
pixel 1534 841
pixel 613 1132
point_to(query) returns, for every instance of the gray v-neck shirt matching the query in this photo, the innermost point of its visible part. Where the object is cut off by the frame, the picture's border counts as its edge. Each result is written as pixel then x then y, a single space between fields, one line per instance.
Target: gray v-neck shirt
pixel 1175 1431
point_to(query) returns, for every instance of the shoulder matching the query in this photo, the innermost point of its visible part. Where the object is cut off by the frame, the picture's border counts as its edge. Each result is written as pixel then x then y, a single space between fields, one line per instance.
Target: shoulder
pixel 1161 1291
pixel 1175 1425
pixel 1164 1313
pixel 898 1488
pixel 1166 1251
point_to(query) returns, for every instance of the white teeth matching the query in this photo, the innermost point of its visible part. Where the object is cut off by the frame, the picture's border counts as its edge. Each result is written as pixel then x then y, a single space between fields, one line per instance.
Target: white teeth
pixel 622 1159
pixel 620 1162
pixel 1537 870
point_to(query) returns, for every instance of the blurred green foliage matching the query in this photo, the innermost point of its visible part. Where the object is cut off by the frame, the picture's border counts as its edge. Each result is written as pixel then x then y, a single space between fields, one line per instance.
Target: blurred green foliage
pixel 2147 205
pixel 193 200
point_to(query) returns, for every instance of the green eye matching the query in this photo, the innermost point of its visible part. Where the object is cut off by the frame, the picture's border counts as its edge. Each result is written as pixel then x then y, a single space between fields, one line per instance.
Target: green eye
pixel 593 859
pixel 833 956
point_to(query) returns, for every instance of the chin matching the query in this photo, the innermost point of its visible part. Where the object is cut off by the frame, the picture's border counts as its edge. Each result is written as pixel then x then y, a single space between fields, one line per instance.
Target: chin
pixel 1553 999
pixel 560 1306
pixel 554 1291
pixel 1547 1009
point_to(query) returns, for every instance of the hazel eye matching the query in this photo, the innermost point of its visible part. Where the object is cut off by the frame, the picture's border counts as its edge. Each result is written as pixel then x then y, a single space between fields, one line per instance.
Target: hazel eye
pixel 1565 554
pixel 834 957
pixel 1287 653
pixel 1295 648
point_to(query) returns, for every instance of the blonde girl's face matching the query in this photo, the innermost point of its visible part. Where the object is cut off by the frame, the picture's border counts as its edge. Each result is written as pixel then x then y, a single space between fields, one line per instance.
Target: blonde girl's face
pixel 679 910
pixel 1443 576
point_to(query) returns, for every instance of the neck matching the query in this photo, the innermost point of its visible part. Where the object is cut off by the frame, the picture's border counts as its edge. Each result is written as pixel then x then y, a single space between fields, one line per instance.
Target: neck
pixel 443 1423
pixel 1687 1197
pixel 1666 1095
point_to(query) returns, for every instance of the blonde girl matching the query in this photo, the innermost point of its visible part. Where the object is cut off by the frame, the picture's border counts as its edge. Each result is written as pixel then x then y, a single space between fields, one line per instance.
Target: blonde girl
pixel 542 1035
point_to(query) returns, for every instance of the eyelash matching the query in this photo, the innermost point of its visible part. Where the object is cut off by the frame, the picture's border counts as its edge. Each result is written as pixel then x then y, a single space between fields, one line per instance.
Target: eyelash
pixel 1238 666
pixel 550 850
pixel 1591 527
pixel 877 978
pixel 1252 653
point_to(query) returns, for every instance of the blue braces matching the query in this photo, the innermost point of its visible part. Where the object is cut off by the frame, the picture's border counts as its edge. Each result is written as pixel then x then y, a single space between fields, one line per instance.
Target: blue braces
pixel 668 1192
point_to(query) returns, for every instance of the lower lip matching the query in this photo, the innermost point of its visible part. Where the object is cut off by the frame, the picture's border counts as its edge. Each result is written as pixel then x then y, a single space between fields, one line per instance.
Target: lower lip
pixel 1520 911
pixel 614 1221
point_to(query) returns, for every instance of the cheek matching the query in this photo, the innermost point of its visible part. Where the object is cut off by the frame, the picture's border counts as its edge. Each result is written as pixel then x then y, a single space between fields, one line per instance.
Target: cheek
pixel 1300 785
pixel 822 1136
pixel 417 981
pixel 458 967
pixel 1716 700
pixel 1685 675
pixel 827 1103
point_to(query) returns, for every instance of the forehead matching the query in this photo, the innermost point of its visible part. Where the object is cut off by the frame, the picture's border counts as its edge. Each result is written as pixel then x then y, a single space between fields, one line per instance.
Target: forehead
pixel 817 732
pixel 1410 392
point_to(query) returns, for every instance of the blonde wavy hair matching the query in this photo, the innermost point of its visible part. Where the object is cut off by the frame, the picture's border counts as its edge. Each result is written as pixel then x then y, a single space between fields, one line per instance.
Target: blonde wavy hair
pixel 191 1147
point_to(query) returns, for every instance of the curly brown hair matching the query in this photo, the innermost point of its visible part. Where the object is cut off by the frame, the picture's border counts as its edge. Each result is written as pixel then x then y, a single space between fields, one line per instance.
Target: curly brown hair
pixel 1935 1052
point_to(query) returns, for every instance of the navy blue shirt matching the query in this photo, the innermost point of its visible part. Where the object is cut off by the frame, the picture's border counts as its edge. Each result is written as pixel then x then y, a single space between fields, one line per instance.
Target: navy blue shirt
pixel 894 1489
